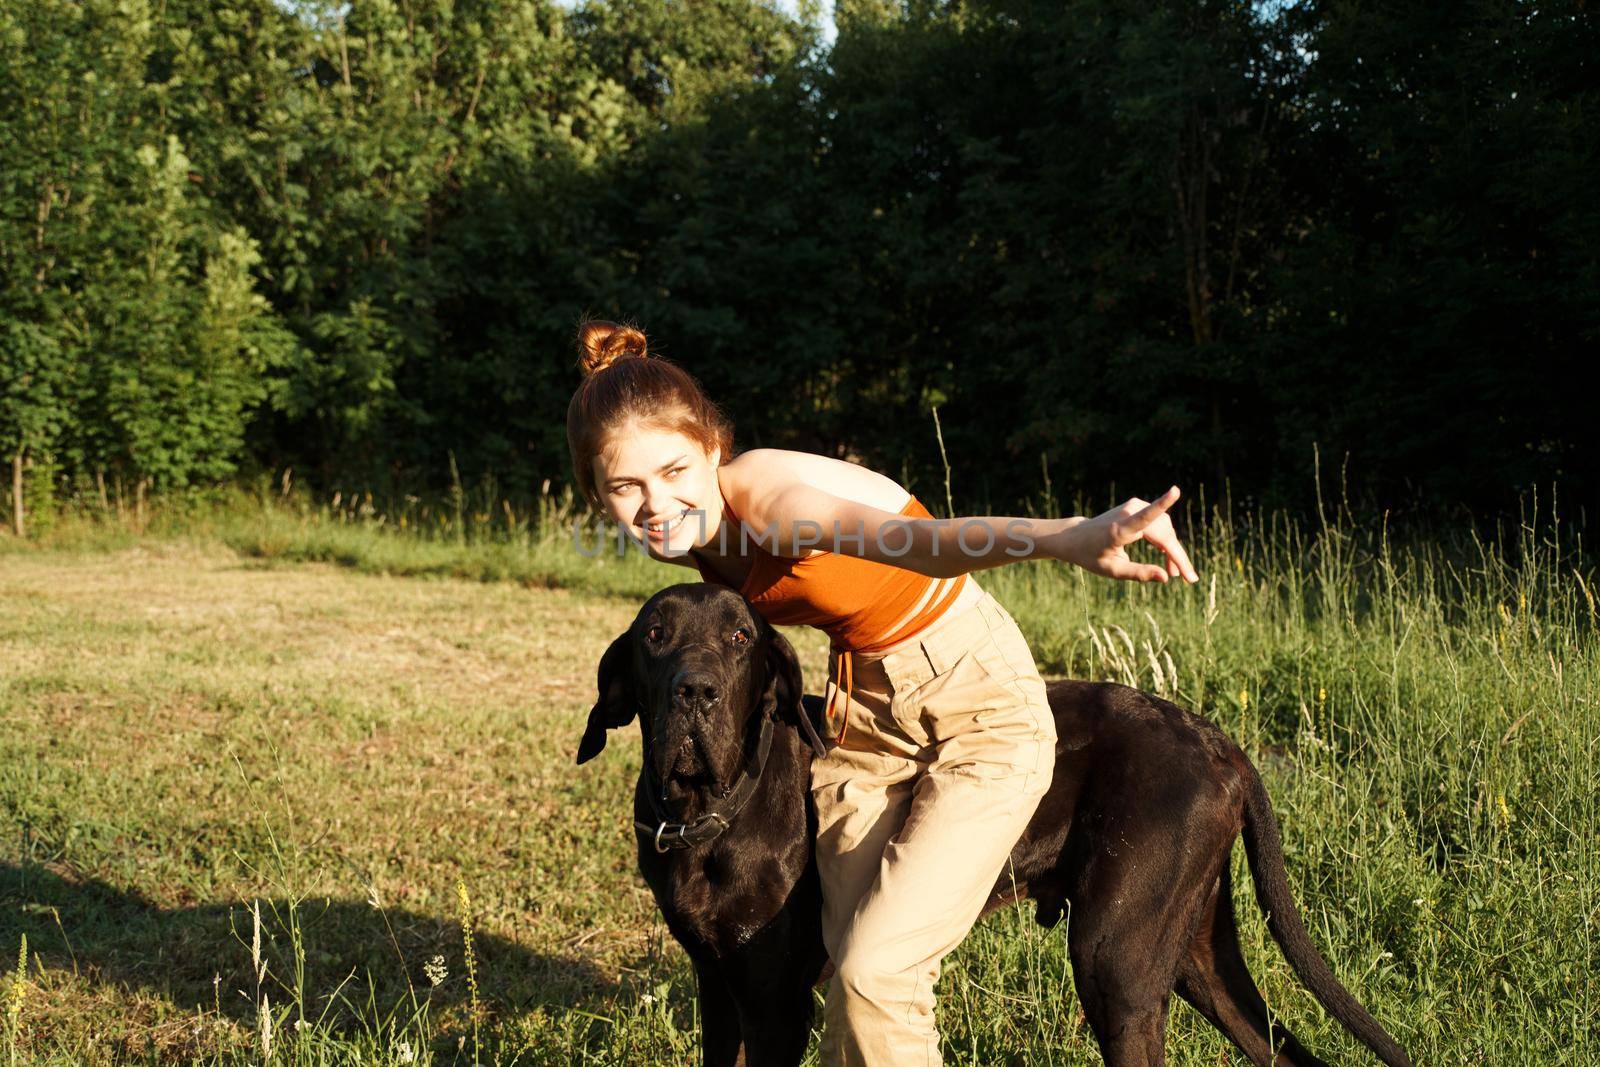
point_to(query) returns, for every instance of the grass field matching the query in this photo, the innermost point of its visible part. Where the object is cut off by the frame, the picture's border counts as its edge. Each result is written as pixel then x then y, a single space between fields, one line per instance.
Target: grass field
pixel 295 787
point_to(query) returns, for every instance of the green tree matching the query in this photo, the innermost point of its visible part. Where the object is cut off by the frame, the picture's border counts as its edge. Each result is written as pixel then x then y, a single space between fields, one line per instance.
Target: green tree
pixel 1445 297
pixel 181 341
pixel 68 75
pixel 31 408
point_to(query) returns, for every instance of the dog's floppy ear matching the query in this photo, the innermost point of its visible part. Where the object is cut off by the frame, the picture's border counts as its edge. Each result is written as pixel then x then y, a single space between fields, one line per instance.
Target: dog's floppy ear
pixel 785 687
pixel 617 704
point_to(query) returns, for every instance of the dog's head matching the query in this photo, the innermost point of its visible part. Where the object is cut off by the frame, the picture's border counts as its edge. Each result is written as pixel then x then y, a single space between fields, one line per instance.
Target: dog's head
pixel 697 666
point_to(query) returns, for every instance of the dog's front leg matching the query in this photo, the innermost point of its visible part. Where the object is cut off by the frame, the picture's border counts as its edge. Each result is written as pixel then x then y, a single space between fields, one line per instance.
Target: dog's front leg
pixel 778 1028
pixel 721 1039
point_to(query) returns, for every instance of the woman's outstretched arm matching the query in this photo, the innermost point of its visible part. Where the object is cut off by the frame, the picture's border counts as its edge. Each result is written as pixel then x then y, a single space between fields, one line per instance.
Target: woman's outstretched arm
pixel 794 517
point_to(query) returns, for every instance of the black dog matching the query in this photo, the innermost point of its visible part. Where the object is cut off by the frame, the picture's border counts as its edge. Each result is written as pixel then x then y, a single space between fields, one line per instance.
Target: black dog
pixel 1134 833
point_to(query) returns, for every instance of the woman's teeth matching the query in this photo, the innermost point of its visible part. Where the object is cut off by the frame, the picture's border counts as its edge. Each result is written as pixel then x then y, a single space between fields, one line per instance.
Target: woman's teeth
pixel 669 526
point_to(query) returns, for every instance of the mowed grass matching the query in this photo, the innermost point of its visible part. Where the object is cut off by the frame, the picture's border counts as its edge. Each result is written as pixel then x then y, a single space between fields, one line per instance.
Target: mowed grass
pixel 370 758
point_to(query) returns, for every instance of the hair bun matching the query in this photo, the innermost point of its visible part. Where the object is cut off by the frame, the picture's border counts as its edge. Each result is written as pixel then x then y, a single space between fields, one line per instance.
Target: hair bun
pixel 602 343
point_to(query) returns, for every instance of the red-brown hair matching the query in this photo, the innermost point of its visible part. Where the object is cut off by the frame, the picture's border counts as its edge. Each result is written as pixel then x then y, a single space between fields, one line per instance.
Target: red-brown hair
pixel 621 383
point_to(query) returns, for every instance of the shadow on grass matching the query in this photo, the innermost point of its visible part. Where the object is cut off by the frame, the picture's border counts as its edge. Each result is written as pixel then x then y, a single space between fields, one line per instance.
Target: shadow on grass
pixel 200 957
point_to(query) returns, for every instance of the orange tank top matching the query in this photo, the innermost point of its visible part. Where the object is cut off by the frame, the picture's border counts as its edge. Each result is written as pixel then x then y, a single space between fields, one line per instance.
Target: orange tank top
pixel 862 605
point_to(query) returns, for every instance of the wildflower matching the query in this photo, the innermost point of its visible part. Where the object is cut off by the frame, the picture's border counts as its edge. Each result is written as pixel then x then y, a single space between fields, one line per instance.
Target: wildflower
pixel 647 999
pixel 1244 700
pixel 404 1052
pixel 1322 696
pixel 434 971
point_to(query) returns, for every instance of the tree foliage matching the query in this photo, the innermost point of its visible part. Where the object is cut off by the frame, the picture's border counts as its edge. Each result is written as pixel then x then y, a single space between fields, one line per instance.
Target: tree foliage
pixel 1139 243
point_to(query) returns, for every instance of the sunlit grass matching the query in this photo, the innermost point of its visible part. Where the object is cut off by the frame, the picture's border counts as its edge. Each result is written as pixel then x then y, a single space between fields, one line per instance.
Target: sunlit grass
pixel 262 707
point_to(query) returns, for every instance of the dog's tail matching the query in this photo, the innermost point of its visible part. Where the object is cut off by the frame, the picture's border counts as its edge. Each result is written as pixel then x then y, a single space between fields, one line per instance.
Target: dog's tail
pixel 1265 850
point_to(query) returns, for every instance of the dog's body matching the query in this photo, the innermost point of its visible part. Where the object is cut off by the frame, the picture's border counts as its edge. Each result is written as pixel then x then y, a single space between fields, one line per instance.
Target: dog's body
pixel 1134 835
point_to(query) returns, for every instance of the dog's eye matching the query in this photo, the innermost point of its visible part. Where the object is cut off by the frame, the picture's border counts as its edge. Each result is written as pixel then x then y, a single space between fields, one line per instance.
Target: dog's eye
pixel 654 633
pixel 741 636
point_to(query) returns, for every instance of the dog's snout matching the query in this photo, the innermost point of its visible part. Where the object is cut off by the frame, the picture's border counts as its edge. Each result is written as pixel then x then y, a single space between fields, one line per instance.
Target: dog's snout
pixel 694 687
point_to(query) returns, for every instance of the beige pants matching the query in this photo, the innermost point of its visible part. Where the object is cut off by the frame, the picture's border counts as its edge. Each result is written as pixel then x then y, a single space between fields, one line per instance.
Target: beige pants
pixel 946 750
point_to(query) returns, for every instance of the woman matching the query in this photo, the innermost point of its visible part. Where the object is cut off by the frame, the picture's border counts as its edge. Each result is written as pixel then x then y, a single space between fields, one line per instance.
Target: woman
pixel 942 741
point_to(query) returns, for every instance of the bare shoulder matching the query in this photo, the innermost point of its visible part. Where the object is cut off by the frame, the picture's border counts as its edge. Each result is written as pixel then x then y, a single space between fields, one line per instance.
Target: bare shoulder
pixel 757 475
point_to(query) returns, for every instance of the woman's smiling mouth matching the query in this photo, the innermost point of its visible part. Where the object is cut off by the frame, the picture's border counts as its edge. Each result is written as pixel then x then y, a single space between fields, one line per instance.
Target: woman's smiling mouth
pixel 661 530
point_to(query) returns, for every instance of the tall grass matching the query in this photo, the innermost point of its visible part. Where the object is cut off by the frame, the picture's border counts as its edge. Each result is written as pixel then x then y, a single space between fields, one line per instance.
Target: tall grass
pixel 1422 706
pixel 1425 717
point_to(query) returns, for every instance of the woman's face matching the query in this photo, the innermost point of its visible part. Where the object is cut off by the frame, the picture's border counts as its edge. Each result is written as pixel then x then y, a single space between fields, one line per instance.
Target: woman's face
pixel 660 485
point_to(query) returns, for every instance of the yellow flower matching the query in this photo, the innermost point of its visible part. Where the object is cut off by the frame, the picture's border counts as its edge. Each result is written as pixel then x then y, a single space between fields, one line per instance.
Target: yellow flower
pixel 1244 699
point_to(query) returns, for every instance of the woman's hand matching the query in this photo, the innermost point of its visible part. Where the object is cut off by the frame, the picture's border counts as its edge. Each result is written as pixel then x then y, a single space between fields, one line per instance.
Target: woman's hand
pixel 1097 545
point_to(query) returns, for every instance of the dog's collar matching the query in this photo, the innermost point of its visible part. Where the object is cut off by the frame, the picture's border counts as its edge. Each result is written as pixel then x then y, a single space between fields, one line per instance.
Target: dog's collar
pixel 670 835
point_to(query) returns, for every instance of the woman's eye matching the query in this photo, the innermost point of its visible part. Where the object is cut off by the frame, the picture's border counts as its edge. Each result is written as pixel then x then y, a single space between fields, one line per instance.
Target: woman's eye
pixel 675 471
pixel 741 636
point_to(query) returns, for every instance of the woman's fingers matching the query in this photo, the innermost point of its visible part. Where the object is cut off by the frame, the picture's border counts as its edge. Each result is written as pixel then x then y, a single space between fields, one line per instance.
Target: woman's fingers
pixel 1151 523
pixel 1120 566
pixel 1167 540
pixel 1185 568
pixel 1135 520
pixel 1141 519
